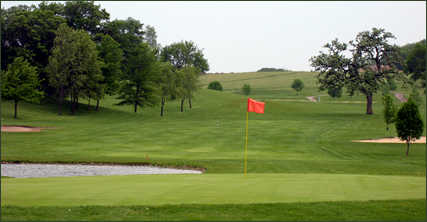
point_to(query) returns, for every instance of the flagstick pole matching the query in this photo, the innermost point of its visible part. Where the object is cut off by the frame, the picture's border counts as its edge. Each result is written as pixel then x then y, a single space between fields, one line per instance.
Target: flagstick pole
pixel 246 145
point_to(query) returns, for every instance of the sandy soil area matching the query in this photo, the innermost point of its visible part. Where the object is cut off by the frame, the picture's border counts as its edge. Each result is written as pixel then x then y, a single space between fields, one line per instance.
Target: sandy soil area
pixel 20 129
pixel 391 140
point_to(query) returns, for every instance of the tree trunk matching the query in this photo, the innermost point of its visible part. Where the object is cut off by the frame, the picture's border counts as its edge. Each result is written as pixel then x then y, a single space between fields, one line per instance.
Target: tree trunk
pixel 97 105
pixel 162 106
pixel 182 105
pixel 73 105
pixel 16 109
pixel 135 107
pixel 60 100
pixel 369 104
pixel 408 142
pixel 189 102
pixel 88 104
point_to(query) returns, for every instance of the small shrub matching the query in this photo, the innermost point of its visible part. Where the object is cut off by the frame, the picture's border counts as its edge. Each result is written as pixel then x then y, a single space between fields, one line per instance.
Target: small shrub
pixel 298 85
pixel 246 89
pixel 215 85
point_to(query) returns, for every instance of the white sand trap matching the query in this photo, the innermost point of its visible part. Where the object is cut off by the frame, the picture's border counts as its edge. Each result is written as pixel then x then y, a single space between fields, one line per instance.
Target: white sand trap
pixel 391 140
pixel 27 170
pixel 20 129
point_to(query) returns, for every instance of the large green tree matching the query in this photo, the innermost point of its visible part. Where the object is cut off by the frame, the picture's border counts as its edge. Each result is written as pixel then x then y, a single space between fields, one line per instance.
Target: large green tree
pixel 111 54
pixel 74 68
pixel 185 53
pixel 371 64
pixel 20 83
pixel 409 124
pixel 188 62
pixel 168 83
pixel 139 86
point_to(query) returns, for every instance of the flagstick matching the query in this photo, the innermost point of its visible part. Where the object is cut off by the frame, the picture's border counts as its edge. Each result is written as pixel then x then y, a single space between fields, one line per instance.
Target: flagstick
pixel 246 145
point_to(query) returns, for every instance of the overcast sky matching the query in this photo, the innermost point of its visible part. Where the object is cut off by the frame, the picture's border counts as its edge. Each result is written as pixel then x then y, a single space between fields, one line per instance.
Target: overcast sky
pixel 246 36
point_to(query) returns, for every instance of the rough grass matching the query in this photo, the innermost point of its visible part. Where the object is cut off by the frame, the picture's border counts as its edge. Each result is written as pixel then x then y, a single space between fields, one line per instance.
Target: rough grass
pixel 389 210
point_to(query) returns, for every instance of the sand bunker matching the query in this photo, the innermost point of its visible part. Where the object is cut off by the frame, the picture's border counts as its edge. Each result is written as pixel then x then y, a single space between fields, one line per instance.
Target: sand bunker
pixel 28 170
pixel 391 140
pixel 20 129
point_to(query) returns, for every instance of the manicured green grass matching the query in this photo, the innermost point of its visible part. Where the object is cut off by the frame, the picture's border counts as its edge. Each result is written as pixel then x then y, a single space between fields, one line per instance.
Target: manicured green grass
pixel 389 210
pixel 292 137
pixel 208 189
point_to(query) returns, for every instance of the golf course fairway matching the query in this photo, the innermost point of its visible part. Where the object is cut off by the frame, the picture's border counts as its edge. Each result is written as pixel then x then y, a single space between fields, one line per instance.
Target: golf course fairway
pixel 157 190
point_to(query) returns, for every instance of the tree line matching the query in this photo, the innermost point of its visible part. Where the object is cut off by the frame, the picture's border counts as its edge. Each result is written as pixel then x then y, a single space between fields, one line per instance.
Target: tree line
pixel 68 51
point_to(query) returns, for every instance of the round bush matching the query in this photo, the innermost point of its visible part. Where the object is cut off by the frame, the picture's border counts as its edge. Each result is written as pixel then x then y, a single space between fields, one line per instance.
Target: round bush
pixel 246 89
pixel 215 85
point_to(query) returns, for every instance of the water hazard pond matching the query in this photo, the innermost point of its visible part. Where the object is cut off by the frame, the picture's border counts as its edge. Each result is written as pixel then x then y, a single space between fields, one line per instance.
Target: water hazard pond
pixel 26 170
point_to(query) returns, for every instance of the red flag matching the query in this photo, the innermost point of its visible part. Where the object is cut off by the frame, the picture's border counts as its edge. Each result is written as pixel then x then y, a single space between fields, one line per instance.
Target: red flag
pixel 255 106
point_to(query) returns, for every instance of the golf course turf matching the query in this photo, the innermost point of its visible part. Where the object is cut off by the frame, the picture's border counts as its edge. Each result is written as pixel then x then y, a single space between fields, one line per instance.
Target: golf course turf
pixel 302 162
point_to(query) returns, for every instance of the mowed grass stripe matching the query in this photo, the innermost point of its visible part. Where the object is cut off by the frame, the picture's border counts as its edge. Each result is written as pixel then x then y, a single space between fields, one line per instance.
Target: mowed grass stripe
pixel 208 189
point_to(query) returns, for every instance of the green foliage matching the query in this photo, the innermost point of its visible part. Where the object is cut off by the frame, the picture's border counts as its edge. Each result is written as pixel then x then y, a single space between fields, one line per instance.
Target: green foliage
pixel 128 33
pixel 335 92
pixel 372 63
pixel 85 15
pixel 139 86
pixel 169 84
pixel 74 68
pixel 389 111
pixel 409 124
pixel 297 85
pixel 246 89
pixel 184 53
pixel 416 62
pixel 415 95
pixel 112 56
pixel 20 83
pixel 29 32
pixel 150 37
pixel 406 49
pixel 215 85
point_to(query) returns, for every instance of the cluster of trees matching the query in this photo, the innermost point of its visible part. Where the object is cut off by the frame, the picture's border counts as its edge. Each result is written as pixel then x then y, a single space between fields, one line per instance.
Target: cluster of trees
pixel 273 70
pixel 77 52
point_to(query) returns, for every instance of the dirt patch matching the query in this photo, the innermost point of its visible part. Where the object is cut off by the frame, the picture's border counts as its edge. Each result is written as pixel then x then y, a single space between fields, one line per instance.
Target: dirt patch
pixel 391 140
pixel 20 129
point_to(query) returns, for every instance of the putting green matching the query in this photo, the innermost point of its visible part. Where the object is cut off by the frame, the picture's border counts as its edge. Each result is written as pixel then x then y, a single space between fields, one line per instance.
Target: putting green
pixel 207 189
